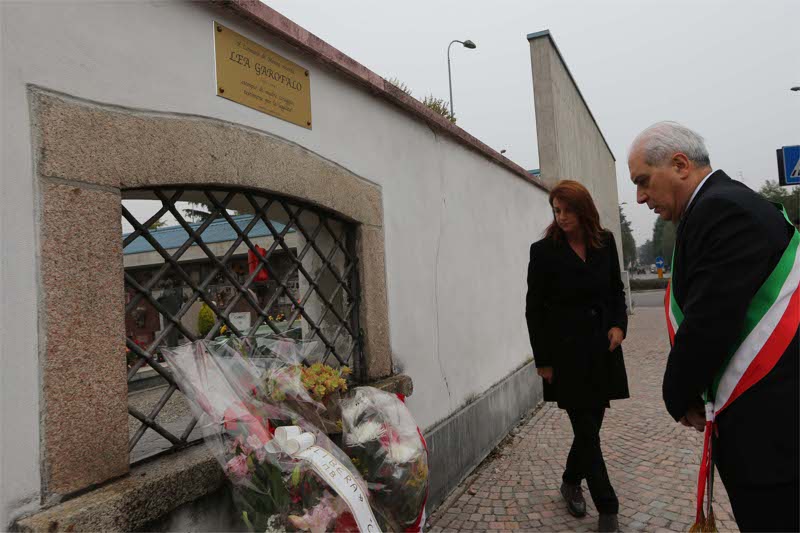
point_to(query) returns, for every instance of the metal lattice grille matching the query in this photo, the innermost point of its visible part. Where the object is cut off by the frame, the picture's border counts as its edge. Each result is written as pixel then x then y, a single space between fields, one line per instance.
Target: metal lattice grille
pixel 200 262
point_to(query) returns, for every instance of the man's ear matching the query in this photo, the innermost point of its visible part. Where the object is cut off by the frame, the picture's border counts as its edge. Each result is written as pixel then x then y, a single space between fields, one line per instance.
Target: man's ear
pixel 681 164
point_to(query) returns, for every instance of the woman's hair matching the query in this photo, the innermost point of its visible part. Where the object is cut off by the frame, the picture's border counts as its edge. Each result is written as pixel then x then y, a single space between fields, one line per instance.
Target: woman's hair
pixel 578 199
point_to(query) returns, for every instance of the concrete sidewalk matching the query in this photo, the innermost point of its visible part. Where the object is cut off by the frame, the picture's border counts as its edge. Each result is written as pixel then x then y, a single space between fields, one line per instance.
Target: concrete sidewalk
pixel 652 461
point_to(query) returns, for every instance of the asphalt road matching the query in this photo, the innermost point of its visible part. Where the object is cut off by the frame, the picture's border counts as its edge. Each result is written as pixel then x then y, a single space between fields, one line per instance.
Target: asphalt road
pixel 648 275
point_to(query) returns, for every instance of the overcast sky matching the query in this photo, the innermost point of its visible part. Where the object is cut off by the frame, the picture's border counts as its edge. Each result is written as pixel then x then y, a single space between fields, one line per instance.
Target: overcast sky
pixel 723 68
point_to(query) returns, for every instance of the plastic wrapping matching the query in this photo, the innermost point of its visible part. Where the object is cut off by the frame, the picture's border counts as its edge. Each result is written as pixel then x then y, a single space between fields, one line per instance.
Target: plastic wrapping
pixel 383 441
pixel 267 419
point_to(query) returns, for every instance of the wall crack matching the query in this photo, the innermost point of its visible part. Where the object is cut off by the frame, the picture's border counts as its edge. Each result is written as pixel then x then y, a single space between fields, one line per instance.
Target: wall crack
pixel 436 272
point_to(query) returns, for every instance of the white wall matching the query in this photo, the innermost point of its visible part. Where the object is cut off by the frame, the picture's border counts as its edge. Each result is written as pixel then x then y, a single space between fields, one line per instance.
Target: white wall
pixel 457 227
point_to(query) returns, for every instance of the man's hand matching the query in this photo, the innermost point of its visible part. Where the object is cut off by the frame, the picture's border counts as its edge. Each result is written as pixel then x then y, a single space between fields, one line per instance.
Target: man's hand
pixel 695 417
pixel 615 338
pixel 546 372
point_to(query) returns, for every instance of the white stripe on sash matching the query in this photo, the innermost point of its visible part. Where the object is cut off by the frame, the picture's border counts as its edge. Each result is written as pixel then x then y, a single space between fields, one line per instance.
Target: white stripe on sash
pixel 755 341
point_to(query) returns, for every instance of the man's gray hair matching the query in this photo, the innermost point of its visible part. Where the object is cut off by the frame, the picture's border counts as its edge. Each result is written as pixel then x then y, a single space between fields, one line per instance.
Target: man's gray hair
pixel 664 139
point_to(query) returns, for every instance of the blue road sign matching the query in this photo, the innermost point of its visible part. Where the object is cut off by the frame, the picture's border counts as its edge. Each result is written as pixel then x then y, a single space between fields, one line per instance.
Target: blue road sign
pixel 659 262
pixel 789 165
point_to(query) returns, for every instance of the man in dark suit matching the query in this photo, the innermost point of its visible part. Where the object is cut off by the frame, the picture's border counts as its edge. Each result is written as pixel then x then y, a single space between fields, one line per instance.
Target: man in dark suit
pixel 731 246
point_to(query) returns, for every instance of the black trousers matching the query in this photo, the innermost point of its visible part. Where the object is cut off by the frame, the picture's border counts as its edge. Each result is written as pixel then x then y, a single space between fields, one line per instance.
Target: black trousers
pixel 765 507
pixel 758 449
pixel 585 459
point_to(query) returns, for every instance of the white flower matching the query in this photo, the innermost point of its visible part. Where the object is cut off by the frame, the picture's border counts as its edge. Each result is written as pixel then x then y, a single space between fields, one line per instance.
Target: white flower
pixel 273 525
pixel 366 432
pixel 402 453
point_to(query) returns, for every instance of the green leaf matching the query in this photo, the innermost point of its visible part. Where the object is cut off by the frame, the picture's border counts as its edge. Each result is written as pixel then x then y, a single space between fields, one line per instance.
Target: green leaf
pixel 247 521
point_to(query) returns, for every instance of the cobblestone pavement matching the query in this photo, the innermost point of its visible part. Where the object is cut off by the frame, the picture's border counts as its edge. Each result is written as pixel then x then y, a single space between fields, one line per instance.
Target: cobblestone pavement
pixel 652 461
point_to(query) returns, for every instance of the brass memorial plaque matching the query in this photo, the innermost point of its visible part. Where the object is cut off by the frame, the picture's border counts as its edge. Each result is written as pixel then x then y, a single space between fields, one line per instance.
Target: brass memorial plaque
pixel 251 75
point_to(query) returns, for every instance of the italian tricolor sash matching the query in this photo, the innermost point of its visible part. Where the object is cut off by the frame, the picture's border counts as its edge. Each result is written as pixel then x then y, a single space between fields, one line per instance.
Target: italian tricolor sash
pixel 770 323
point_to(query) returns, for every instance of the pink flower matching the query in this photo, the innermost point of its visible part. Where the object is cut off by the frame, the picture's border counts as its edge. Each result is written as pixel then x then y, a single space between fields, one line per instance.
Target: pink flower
pixel 317 520
pixel 254 442
pixel 233 444
pixel 261 455
pixel 237 468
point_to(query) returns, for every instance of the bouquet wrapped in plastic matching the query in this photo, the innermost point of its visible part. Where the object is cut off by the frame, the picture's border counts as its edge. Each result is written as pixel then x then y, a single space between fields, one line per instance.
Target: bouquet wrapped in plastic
pixel 267 418
pixel 383 441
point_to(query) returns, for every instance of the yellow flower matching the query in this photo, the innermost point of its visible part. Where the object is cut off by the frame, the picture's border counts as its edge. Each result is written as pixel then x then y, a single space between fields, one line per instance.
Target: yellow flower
pixel 346 370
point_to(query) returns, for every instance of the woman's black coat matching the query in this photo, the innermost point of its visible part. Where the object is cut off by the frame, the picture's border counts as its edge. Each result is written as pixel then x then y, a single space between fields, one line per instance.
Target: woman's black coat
pixel 570 306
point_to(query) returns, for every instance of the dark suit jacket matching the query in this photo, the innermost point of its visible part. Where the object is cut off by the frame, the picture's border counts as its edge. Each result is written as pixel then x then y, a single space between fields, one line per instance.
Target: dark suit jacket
pixel 570 307
pixel 728 242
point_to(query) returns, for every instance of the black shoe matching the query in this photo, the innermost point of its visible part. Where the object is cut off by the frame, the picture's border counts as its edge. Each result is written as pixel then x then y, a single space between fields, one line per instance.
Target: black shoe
pixel 573 494
pixel 608 522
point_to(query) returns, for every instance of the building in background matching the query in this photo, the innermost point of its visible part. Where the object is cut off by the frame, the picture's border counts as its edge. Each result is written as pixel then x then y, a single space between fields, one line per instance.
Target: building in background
pixel 571 144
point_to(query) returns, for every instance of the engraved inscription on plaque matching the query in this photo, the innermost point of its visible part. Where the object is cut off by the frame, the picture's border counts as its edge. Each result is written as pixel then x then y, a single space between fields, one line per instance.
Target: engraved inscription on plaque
pixel 251 75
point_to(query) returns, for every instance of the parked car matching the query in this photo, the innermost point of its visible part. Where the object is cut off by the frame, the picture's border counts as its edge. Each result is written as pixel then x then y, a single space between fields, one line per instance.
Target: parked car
pixel 652 269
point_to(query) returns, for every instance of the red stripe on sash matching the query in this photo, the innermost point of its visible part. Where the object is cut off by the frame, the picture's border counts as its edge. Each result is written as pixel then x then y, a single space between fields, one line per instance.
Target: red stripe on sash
pixel 772 351
pixel 670 330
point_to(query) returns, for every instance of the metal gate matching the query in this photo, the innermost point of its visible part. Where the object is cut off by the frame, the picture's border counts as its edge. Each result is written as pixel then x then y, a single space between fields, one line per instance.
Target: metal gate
pixel 250 263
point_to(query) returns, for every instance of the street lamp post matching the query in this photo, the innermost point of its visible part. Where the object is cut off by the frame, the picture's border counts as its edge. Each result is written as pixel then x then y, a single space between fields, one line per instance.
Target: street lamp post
pixel 467 44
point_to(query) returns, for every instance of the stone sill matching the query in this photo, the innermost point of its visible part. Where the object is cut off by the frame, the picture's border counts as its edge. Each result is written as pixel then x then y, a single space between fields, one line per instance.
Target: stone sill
pixel 151 490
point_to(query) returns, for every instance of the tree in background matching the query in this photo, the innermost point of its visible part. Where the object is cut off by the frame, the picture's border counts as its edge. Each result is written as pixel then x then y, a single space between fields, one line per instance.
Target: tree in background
pixel 788 196
pixel 197 212
pixel 628 242
pixel 646 254
pixel 201 211
pixel 663 239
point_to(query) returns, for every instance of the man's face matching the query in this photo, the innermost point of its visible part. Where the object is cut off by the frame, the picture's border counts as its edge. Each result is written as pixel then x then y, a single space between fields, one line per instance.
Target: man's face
pixel 657 186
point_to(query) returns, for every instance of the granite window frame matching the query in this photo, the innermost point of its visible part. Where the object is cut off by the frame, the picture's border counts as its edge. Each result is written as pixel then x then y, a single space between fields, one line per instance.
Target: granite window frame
pixel 85 155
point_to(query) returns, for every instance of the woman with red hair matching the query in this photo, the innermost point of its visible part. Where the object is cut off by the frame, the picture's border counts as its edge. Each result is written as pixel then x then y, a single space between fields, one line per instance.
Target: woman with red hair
pixel 577 319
